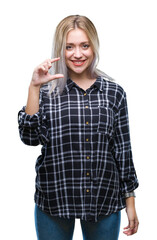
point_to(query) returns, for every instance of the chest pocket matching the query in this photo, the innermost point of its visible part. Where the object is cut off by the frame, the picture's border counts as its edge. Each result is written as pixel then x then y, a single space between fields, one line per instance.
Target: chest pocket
pixel 106 121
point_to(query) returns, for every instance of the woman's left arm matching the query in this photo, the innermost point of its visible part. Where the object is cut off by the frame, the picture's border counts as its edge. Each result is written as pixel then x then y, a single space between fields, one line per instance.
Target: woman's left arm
pixel 122 148
pixel 125 165
pixel 133 222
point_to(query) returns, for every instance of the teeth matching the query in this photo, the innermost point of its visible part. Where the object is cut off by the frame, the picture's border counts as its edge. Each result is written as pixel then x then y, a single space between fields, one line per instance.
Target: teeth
pixel 78 61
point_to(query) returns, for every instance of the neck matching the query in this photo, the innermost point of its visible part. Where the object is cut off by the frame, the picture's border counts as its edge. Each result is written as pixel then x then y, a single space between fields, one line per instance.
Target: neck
pixel 80 77
pixel 83 81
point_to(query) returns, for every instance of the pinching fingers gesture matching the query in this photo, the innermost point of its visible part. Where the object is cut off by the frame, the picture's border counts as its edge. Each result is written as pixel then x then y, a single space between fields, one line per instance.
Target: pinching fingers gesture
pixel 41 73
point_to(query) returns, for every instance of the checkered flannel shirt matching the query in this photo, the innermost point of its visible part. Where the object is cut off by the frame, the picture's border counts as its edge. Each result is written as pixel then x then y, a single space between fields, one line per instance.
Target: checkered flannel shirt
pixel 86 166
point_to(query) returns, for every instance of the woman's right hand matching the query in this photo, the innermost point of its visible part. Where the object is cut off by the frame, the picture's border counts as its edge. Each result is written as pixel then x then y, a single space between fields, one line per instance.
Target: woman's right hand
pixel 42 76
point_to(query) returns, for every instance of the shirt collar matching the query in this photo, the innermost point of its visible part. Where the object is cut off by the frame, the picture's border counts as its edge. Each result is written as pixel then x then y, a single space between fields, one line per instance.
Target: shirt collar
pixel 98 83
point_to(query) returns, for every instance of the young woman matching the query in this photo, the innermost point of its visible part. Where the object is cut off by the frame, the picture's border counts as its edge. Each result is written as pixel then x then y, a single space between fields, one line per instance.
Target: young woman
pixel 80 117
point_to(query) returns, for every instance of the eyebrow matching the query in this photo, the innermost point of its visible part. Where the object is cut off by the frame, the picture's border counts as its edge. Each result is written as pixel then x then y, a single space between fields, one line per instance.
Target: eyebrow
pixel 80 43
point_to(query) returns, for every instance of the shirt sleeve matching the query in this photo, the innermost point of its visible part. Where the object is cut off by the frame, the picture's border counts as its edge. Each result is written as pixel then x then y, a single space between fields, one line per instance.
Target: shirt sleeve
pixel 33 128
pixel 122 149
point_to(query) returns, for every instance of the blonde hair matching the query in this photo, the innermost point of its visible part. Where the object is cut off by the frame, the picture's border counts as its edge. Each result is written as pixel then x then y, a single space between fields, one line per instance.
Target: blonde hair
pixel 59 45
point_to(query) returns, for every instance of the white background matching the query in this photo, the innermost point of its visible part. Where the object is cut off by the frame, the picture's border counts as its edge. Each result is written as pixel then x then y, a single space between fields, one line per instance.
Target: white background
pixel 128 53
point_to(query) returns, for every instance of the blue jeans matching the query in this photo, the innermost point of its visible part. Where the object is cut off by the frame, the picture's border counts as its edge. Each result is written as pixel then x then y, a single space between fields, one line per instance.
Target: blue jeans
pixel 56 228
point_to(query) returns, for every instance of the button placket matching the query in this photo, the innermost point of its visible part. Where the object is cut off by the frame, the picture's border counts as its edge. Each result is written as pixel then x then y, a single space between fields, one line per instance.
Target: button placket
pixel 87 145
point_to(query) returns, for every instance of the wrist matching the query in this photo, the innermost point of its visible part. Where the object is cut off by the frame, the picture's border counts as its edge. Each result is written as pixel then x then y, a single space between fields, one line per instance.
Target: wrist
pixel 34 88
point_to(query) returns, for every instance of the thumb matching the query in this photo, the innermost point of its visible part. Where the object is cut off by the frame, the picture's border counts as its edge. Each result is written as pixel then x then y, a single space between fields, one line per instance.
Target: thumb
pixel 126 227
pixel 56 76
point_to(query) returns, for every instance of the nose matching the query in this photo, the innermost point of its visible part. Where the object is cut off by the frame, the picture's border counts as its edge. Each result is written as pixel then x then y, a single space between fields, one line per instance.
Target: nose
pixel 77 52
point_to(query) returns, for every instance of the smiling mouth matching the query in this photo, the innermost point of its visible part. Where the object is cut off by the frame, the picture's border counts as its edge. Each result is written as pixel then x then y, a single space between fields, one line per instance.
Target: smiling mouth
pixel 78 62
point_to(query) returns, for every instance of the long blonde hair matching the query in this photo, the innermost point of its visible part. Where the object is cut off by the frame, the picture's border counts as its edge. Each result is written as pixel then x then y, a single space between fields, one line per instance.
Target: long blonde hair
pixel 59 45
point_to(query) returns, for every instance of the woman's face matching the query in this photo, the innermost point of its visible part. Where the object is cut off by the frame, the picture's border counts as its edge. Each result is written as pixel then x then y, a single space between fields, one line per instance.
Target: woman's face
pixel 79 54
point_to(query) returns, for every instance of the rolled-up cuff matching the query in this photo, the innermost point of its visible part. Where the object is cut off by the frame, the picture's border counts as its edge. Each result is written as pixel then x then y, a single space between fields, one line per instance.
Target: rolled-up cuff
pixel 30 121
pixel 130 194
pixel 127 187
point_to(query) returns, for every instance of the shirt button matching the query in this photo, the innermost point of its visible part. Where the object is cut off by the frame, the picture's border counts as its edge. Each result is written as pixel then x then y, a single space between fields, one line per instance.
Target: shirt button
pixel 86 106
pixel 87 123
pixel 87 139
pixel 87 190
pixel 87 173
pixel 87 157
pixel 85 94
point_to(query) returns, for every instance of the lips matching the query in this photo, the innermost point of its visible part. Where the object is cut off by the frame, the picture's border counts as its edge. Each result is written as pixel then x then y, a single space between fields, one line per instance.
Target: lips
pixel 78 62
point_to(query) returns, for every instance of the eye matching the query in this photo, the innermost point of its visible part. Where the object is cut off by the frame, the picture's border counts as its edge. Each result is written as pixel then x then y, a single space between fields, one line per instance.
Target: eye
pixel 69 47
pixel 85 46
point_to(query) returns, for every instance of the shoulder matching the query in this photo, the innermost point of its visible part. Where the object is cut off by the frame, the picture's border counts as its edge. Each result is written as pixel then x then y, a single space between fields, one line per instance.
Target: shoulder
pixel 44 90
pixel 114 91
pixel 112 86
pixel 44 93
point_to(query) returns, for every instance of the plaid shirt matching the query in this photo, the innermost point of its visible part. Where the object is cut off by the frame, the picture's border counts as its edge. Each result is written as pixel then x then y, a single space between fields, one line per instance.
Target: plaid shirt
pixel 85 167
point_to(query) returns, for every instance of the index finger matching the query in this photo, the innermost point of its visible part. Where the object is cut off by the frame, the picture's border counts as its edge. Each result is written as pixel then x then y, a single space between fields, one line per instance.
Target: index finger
pixel 54 59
